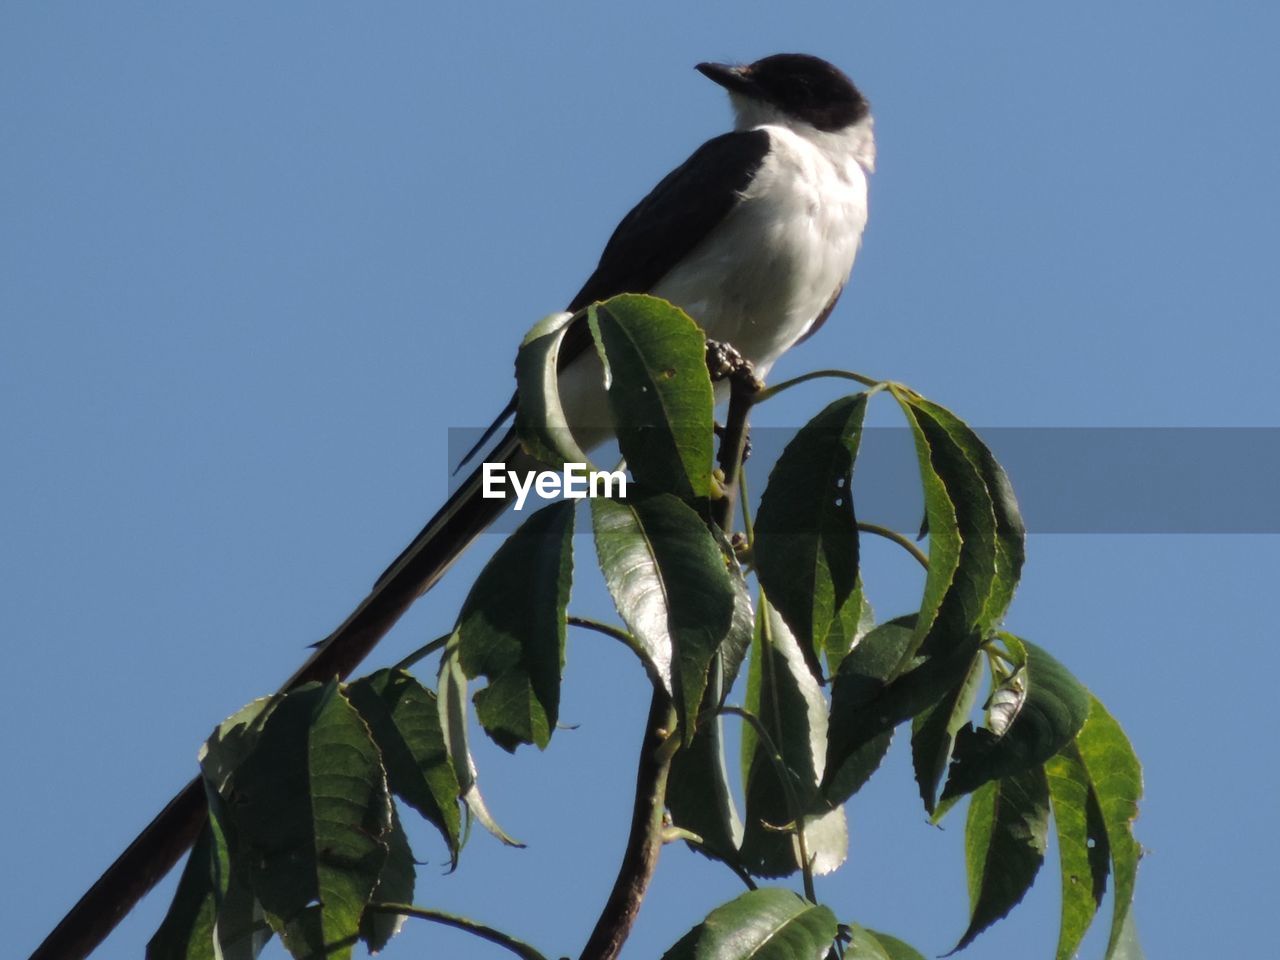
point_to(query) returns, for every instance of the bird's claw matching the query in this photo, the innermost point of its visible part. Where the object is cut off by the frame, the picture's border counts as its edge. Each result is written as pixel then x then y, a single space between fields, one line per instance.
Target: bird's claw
pixel 726 363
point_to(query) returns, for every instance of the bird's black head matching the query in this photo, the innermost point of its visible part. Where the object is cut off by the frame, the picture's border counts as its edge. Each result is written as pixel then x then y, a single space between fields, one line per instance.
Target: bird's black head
pixel 807 88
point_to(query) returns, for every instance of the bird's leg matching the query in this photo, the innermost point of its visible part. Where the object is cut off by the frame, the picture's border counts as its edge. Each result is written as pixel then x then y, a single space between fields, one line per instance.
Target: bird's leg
pixel 726 363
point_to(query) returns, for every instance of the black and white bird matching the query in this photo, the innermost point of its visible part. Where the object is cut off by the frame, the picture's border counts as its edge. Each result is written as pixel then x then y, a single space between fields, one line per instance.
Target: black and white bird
pixel 754 236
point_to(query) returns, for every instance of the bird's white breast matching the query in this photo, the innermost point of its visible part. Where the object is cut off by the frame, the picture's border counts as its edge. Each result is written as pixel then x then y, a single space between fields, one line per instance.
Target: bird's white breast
pixel 764 275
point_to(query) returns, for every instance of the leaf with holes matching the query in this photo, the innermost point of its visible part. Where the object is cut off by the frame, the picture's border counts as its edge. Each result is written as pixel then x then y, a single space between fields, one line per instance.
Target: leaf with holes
pixel 659 392
pixel 1116 778
pixel 1083 850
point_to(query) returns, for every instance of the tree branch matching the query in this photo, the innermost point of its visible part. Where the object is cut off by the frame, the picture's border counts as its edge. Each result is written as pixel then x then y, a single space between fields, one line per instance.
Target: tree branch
pixel 645 840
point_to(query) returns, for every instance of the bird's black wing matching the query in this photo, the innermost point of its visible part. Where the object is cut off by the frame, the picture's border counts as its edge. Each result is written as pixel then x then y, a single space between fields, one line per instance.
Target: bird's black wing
pixel 660 231
pixel 676 216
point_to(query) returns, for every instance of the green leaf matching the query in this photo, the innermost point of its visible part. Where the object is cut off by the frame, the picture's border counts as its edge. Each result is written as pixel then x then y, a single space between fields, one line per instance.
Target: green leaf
pixel 311 813
pixel 233 740
pixel 858 685
pixel 806 537
pixel 1005 839
pixel 540 420
pixel 1010 531
pixel 1116 778
pixel 786 698
pixel 765 924
pixel 241 930
pixel 962 535
pixel 186 933
pixel 975 550
pixel 1083 850
pixel 737 644
pixel 1125 945
pixel 871 945
pixel 671 587
pixel 452 703
pixel 858 722
pixel 1033 714
pixel 237 930
pixel 698 794
pixel 933 734
pixel 404 719
pixel 659 392
pixel 851 623
pixel 940 522
pixel 395 885
pixel 512 629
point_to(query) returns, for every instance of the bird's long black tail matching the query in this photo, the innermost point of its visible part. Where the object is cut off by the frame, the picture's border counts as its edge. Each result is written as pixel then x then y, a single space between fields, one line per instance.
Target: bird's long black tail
pixel 464 516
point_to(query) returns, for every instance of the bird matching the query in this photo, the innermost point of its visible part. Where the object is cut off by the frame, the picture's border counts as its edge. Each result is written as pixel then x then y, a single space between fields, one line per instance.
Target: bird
pixel 754 236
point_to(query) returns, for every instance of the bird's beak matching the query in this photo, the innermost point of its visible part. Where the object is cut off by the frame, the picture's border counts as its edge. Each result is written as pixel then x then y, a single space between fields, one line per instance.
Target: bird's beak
pixel 733 78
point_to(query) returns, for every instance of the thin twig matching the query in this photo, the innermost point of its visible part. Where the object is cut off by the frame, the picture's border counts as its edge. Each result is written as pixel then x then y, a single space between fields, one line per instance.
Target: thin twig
pixel 599 627
pixel 748 527
pixel 484 932
pixel 773 391
pixel 634 645
pixel 423 652
pixel 897 538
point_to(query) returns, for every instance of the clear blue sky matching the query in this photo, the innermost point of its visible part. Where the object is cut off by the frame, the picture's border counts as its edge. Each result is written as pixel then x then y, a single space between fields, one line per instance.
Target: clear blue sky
pixel 258 259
